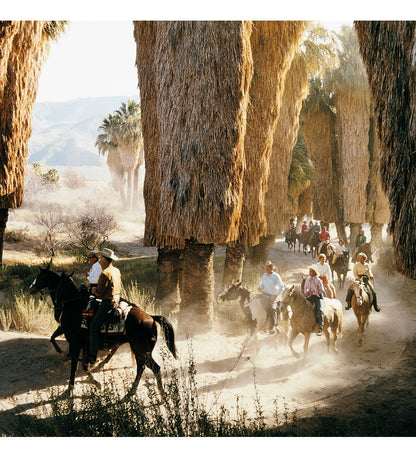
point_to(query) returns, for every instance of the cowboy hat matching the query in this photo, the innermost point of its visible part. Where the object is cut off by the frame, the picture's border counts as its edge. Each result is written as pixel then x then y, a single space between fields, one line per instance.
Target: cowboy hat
pixel 107 253
pixel 363 255
pixel 268 263
pixel 315 269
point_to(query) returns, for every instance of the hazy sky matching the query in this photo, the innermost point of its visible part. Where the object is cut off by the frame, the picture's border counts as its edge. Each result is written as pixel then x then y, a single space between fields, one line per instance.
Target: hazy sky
pixel 90 59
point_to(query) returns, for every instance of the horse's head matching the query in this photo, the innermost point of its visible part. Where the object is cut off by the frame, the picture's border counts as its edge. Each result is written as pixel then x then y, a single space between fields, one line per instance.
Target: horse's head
pixel 45 279
pixel 287 297
pixel 358 288
pixel 232 292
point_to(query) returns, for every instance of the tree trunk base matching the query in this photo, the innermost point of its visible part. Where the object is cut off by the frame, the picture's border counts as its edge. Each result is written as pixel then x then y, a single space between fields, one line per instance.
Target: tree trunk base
pixel 4 216
pixel 233 265
pixel 168 273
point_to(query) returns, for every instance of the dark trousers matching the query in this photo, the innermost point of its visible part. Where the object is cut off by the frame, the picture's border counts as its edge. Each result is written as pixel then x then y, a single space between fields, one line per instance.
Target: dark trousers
pixel 318 302
pixel 271 309
pixel 99 318
pixel 373 292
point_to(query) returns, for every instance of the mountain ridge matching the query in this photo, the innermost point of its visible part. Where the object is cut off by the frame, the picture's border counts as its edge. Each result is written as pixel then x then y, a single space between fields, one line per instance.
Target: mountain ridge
pixel 64 133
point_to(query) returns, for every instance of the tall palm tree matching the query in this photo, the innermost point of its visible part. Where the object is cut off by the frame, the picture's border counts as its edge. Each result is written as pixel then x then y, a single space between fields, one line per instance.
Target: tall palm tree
pixel 121 139
pixel 24 48
pixel 387 48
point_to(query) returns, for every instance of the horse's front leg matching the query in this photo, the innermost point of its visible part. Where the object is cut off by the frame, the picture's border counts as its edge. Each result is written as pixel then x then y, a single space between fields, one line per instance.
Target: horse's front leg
pixel 292 337
pixel 306 343
pixel 56 334
pixel 110 354
pixel 327 337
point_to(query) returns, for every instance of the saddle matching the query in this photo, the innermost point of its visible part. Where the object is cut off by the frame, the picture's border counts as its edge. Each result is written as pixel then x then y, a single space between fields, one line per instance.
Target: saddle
pixel 116 318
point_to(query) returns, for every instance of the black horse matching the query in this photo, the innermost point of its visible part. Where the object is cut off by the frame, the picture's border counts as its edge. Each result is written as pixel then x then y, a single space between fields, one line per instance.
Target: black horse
pixel 328 250
pixel 341 266
pixel 291 238
pixel 50 280
pixel 140 328
pixel 313 243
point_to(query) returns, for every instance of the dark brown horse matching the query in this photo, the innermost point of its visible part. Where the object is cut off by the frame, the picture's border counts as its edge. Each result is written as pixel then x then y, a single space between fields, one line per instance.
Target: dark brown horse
pixel 366 248
pixel 140 329
pixel 291 239
pixel 341 266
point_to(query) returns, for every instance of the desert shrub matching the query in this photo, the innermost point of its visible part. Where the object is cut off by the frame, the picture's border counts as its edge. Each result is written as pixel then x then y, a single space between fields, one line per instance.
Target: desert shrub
pixel 89 229
pixel 26 313
pixel 180 413
pixel 15 235
pixel 141 272
pixel 73 180
pixel 138 296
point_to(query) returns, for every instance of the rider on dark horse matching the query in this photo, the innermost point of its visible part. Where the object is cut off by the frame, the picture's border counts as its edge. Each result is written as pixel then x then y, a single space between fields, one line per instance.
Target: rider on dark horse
pixel 362 269
pixel 108 290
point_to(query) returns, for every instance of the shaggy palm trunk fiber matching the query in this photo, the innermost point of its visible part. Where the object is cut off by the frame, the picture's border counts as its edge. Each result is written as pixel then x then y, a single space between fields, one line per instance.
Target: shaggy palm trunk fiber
pixel 319 134
pixel 354 231
pixel 259 253
pixel 169 267
pixel 274 44
pixel 388 51
pixel 353 120
pixel 277 207
pixel 234 264
pixel 194 92
pixel 197 292
pixel 4 215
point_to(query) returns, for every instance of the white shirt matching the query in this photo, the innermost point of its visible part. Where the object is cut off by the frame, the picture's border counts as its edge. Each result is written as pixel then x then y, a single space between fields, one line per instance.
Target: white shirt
pixel 271 284
pixel 324 270
pixel 94 273
pixel 339 249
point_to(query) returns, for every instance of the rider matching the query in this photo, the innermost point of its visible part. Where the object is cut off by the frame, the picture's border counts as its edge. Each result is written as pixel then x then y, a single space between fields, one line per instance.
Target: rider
pixel 108 290
pixel 304 227
pixel 95 271
pixel 270 286
pixel 291 224
pixel 324 237
pixel 325 275
pixel 339 250
pixel 362 268
pixel 314 293
pixel 316 227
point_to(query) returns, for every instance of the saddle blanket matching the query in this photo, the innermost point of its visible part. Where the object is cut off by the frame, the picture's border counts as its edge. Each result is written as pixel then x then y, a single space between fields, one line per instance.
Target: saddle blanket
pixel 114 324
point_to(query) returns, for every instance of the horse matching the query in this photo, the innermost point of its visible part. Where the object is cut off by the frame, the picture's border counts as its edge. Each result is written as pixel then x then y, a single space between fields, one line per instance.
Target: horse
pixel 254 310
pixel 303 318
pixel 341 266
pixel 361 304
pixel 291 238
pixel 328 250
pixel 140 332
pixel 366 248
pixel 47 279
pixel 313 243
pixel 304 238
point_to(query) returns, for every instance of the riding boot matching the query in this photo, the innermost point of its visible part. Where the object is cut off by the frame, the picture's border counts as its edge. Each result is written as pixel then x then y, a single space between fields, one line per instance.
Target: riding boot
pixel 348 299
pixel 376 307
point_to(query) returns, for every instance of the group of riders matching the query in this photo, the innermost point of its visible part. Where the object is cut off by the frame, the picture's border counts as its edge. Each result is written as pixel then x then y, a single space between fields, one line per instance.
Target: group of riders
pixel 319 282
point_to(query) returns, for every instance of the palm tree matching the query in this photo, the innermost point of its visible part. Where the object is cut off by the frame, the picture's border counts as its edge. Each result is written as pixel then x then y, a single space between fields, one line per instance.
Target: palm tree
pixel 387 48
pixel 121 139
pixel 25 47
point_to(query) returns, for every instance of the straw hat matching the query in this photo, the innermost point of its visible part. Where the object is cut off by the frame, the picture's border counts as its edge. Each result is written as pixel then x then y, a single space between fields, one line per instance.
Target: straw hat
pixel 315 269
pixel 363 255
pixel 107 253
pixel 268 263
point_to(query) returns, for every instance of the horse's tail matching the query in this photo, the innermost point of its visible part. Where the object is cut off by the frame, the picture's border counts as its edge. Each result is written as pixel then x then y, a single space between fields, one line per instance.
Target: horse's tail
pixel 168 332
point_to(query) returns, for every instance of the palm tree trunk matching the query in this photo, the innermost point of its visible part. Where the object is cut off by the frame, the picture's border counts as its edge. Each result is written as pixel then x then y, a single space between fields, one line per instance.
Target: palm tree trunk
pixel 234 263
pixel 259 254
pixel 342 234
pixel 4 215
pixel 136 186
pixel 129 189
pixel 376 235
pixel 169 265
pixel 354 230
pixel 197 288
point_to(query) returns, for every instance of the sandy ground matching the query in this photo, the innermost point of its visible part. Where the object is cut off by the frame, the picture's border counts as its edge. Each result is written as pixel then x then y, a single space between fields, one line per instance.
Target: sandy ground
pixel 349 382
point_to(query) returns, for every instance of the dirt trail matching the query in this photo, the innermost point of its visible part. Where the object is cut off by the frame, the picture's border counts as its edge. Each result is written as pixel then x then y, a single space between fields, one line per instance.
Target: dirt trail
pixel 349 383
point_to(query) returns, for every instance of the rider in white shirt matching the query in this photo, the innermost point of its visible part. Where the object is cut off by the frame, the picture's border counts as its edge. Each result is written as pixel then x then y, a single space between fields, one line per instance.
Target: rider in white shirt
pixel 325 275
pixel 95 271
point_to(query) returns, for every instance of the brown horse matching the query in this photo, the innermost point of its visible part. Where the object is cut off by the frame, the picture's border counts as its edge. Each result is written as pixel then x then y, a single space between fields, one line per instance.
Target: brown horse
pixel 361 304
pixel 140 329
pixel 303 318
